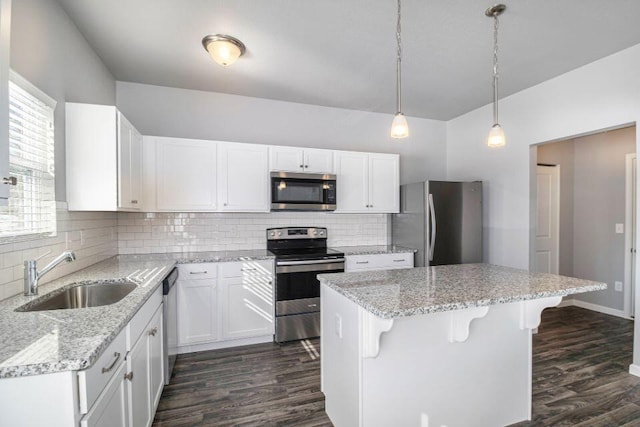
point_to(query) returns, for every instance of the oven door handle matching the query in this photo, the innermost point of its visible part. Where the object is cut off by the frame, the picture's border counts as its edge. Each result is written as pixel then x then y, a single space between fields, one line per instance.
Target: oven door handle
pixel 321 261
pixel 310 268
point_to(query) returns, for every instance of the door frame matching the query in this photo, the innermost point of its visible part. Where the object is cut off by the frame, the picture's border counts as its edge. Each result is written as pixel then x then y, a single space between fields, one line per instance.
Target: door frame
pixel 630 222
pixel 556 213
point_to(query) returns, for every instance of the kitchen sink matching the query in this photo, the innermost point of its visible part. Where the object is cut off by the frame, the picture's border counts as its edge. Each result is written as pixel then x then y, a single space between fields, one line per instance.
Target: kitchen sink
pixel 91 294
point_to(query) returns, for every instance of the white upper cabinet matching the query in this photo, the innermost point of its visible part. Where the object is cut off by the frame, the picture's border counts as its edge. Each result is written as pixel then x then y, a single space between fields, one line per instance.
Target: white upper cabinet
pixel 185 175
pixel 129 164
pixel 367 182
pixel 5 32
pixel 243 177
pixel 309 160
pixel 103 159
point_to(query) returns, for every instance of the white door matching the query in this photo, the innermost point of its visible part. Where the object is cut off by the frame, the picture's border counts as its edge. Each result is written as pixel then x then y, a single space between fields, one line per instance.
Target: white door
pixel 138 370
pixel 352 182
pixel 287 159
pixel 156 359
pixel 547 219
pixel 243 177
pixel 136 169
pixel 124 162
pixel 384 183
pixel 197 311
pixel 186 174
pixel 634 179
pixel 318 161
pixel 110 410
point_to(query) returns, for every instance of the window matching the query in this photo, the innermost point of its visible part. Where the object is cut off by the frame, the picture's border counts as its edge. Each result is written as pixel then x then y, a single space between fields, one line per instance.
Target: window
pixel 31 211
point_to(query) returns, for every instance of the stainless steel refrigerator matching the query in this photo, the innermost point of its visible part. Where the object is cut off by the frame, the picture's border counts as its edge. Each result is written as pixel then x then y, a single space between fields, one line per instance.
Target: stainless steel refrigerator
pixel 442 220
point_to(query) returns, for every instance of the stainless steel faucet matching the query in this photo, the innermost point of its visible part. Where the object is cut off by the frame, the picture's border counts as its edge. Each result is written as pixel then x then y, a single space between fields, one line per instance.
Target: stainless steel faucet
pixel 32 275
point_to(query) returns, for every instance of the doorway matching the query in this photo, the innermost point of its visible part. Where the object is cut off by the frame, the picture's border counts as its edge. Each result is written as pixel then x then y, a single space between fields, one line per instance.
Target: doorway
pixel 548 218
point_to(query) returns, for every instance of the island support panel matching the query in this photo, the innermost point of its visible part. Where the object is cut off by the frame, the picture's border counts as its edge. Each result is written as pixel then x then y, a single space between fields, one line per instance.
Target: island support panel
pixel 425 372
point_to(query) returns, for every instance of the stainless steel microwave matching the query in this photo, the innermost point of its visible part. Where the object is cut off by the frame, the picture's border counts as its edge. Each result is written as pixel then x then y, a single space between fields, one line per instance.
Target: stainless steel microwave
pixel 292 191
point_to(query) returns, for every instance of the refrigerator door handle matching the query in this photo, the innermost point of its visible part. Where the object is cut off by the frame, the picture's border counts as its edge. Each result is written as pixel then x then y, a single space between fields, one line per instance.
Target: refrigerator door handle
pixel 432 244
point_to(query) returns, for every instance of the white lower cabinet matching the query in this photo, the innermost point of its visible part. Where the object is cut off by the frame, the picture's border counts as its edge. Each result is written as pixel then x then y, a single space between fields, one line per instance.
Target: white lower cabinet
pixel 374 262
pixel 110 410
pixel 234 301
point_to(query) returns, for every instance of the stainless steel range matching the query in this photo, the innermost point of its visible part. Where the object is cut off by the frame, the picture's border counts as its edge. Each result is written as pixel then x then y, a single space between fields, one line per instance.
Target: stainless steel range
pixel 301 254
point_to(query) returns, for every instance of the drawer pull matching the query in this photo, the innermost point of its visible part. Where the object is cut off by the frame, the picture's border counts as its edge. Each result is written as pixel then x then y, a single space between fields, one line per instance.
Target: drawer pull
pixel 362 262
pixel 198 272
pixel 312 305
pixel 249 269
pixel 153 331
pixel 399 260
pixel 110 367
pixel 129 376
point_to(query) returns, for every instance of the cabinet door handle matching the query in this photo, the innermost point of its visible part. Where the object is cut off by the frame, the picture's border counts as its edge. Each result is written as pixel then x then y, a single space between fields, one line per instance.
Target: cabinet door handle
pixel 135 202
pixel 301 166
pixel 110 367
pixel 129 376
pixel 198 272
pixel 153 331
pixel 362 262
pixel 12 180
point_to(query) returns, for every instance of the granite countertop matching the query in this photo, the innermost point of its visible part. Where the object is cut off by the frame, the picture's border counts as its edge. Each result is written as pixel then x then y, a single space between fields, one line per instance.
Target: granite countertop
pixel 49 341
pixel 373 250
pixel 392 294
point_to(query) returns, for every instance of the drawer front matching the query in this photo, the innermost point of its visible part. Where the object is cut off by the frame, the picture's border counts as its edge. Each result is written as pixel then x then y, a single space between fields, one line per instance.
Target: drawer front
pixel 93 380
pixel 143 317
pixel 396 260
pixel 196 271
pixel 362 262
pixel 245 268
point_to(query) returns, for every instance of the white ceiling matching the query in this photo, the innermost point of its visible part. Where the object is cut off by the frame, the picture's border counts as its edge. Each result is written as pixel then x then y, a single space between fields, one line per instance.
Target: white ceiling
pixel 341 53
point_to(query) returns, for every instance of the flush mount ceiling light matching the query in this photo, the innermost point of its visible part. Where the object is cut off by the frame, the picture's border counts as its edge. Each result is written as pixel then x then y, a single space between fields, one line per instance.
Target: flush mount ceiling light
pixel 496 134
pixel 225 50
pixel 399 126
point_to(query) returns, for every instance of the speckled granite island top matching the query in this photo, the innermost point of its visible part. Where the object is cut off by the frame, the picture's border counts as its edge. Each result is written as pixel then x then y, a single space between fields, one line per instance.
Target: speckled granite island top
pixel 399 293
pixel 49 341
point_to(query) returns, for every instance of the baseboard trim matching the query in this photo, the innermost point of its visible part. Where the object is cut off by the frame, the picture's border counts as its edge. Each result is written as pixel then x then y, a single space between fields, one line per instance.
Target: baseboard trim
pixel 224 344
pixel 634 370
pixel 594 307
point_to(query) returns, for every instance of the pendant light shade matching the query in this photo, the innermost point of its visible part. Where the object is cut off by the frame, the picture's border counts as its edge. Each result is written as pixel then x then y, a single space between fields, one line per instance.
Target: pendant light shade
pixel 399 127
pixel 496 134
pixel 225 50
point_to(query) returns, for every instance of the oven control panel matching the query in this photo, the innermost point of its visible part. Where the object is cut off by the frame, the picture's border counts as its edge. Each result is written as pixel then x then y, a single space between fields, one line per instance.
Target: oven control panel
pixel 296 233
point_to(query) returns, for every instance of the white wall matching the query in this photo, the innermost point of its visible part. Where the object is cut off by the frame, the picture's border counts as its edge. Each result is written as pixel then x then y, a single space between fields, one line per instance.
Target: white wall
pixel 48 50
pixel 163 111
pixel 600 95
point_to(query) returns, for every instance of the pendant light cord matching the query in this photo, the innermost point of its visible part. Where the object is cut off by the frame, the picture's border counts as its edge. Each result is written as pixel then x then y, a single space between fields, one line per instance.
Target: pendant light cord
pixel 399 65
pixel 495 69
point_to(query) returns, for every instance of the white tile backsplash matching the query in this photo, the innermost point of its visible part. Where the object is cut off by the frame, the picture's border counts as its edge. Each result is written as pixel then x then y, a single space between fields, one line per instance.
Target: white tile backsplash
pixel 185 232
pixel 91 235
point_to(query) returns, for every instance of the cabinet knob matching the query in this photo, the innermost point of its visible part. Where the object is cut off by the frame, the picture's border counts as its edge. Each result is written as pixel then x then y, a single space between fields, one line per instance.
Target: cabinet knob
pixel 301 166
pixel 306 166
pixel 135 202
pixel 12 180
pixel 153 331
pixel 129 376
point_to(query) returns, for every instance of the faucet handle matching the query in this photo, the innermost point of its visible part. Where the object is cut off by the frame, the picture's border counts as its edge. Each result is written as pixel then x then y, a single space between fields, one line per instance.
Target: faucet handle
pixel 42 256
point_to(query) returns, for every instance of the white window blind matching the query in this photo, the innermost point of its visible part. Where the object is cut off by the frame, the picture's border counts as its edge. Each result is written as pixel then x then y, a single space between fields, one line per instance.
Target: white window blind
pixel 31 211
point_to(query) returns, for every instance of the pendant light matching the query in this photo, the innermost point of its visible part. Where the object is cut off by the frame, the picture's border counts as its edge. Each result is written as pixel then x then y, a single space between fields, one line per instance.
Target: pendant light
pixel 399 126
pixel 225 50
pixel 496 134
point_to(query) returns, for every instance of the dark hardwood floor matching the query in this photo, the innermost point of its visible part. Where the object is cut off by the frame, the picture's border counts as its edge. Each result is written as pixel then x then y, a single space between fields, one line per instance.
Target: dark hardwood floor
pixel 580 377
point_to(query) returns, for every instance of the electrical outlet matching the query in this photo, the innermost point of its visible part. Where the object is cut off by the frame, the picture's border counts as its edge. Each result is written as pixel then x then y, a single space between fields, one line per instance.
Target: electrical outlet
pixel 619 228
pixel 618 286
pixel 339 326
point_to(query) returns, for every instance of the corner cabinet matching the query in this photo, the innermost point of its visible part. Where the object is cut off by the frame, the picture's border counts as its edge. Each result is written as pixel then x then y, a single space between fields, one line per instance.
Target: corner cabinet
pixel 243 177
pixel 224 304
pixel 103 159
pixel 367 182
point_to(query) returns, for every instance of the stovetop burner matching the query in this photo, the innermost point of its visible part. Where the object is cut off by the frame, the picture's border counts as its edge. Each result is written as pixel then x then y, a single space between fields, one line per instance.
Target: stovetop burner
pixel 300 243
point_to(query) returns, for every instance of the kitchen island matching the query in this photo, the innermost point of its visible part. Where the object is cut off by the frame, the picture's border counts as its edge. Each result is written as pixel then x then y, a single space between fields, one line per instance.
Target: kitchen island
pixel 434 346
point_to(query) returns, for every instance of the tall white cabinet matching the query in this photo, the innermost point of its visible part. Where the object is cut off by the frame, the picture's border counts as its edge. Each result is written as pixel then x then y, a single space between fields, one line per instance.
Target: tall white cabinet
pixel 5 37
pixel 367 182
pixel 103 159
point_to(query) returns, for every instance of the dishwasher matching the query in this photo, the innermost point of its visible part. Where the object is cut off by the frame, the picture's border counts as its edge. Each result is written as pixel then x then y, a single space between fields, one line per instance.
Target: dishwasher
pixel 170 315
